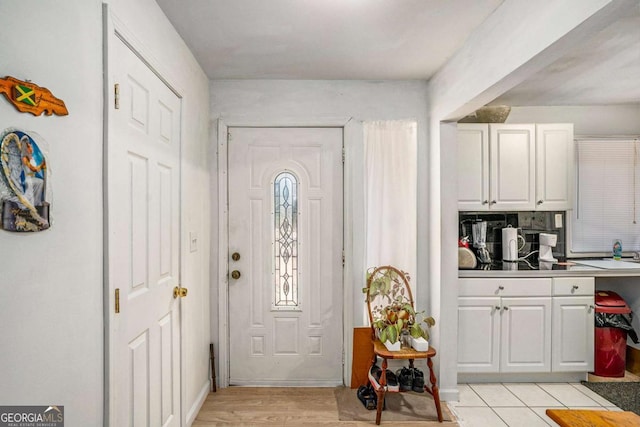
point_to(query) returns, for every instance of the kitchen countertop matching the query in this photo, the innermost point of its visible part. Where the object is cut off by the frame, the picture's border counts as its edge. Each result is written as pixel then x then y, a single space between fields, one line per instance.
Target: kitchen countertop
pixel 524 269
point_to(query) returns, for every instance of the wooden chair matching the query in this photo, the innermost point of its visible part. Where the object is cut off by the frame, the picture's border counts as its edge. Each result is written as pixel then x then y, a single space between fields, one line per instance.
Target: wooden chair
pixel 385 285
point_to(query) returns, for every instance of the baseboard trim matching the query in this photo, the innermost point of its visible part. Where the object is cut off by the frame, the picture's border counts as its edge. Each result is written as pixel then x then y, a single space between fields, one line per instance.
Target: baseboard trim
pixel 449 394
pixel 546 377
pixel 195 409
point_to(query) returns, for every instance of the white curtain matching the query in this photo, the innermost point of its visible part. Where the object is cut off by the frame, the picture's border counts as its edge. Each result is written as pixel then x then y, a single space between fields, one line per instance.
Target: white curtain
pixel 390 149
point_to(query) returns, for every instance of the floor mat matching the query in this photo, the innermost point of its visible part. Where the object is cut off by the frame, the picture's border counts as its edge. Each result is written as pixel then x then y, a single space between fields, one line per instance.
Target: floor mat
pixel 625 395
pixel 407 406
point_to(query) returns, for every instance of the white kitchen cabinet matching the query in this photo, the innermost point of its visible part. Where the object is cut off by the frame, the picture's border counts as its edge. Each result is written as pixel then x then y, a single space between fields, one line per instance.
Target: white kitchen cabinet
pixel 554 166
pixel 504 325
pixel 479 334
pixel 573 324
pixel 526 325
pixel 511 167
pixel 473 166
pixel 526 334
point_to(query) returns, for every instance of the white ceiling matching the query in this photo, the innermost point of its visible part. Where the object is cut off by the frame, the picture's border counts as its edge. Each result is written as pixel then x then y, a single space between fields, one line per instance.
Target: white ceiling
pixel 324 39
pixel 389 40
pixel 603 70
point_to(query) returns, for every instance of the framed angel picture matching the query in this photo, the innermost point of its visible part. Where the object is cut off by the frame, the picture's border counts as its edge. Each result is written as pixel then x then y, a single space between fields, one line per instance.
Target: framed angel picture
pixel 23 182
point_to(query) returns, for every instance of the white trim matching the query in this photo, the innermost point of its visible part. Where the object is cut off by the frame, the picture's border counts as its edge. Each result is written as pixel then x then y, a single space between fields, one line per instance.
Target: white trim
pixel 192 413
pixel 223 261
pixel 523 377
pixel 449 395
pixel 353 235
pixel 108 298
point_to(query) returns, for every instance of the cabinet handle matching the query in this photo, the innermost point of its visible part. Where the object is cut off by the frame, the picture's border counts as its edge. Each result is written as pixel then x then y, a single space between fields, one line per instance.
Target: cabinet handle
pixel 505 308
pixel 540 202
pixel 493 202
pixel 484 202
pixel 501 287
pixel 574 288
pixel 497 307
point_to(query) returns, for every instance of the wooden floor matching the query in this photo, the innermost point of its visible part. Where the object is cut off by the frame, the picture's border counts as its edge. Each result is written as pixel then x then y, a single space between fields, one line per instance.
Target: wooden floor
pixel 308 407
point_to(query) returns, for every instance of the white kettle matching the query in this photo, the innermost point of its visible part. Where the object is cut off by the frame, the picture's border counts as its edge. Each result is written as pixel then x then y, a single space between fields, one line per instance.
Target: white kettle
pixel 512 243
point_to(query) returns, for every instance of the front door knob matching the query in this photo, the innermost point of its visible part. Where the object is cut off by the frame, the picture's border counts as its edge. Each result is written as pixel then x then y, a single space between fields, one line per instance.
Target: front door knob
pixel 235 274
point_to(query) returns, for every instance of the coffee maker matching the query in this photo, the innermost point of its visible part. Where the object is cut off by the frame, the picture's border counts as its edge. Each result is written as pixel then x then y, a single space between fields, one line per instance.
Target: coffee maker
pixel 547 243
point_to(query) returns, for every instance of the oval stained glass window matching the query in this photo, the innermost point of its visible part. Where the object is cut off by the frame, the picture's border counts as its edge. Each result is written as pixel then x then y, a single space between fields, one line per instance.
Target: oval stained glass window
pixel 285 244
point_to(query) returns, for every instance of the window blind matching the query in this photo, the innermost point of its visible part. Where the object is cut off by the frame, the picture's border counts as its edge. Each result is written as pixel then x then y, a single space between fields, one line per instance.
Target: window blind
pixel 606 204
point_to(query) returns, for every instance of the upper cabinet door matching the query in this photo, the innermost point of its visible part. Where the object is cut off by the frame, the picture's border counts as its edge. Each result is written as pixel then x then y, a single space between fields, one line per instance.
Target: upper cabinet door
pixel 512 167
pixel 473 167
pixel 554 164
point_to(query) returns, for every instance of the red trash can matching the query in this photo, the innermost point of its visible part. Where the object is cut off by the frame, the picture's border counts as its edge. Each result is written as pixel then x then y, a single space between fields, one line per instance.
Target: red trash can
pixel 610 342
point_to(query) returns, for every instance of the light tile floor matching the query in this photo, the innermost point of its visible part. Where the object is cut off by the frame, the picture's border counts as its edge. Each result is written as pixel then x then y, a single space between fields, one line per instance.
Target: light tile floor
pixel 521 404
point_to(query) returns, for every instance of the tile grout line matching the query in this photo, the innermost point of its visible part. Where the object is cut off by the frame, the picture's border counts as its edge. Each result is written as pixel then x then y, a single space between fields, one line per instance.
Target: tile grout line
pixel 552 396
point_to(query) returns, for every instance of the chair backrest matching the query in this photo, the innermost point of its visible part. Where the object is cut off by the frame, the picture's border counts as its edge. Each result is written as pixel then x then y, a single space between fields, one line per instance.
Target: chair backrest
pixel 386 286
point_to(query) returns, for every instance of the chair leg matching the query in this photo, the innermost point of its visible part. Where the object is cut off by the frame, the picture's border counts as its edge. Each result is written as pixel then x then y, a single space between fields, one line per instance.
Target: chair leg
pixel 380 392
pixel 434 389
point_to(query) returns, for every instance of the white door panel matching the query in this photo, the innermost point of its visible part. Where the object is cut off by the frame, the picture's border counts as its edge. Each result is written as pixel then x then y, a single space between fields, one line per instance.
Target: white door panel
pixel 285 221
pixel 143 244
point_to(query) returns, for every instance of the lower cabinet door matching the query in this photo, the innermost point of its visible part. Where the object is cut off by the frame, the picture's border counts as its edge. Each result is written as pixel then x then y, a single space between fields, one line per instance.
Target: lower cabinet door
pixel 526 335
pixel 573 334
pixel 478 334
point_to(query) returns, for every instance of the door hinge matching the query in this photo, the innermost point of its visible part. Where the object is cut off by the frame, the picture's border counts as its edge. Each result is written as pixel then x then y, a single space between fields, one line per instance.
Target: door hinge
pixel 229 137
pixel 342 357
pixel 343 258
pixel 116 96
pixel 117 300
pixel 344 155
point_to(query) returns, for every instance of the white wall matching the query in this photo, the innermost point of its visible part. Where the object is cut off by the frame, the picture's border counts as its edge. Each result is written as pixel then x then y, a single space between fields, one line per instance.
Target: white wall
pixel 587 120
pixel 308 102
pixel 51 283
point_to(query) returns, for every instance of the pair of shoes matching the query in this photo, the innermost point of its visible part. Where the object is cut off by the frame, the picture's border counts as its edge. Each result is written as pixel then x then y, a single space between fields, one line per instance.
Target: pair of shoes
pixel 368 397
pixel 418 381
pixel 405 378
pixel 392 381
pixel 411 379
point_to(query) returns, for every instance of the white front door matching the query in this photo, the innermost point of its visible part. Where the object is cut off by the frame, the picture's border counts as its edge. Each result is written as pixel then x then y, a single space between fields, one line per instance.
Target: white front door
pixel 285 256
pixel 143 190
